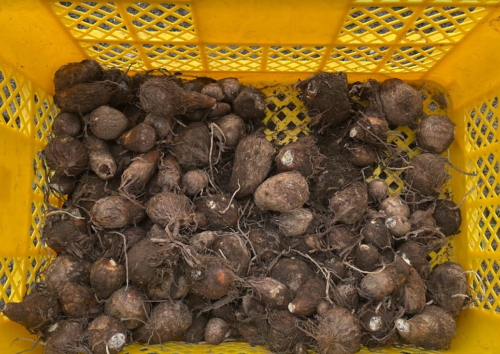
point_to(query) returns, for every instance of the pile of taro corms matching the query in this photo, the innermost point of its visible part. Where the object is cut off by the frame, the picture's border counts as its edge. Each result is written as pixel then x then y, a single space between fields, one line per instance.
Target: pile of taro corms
pixel 182 221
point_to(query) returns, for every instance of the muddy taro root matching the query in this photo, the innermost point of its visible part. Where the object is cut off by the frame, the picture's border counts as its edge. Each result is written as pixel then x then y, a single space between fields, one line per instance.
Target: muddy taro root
pixel 115 212
pixel 339 332
pixel 432 329
pixel 370 130
pixel 164 97
pixel 168 321
pixel 66 268
pixel 318 93
pixel 362 155
pixel 73 74
pixel 147 270
pixel 252 163
pixel 292 272
pixel 170 210
pixel 412 293
pixel 265 242
pixel 435 134
pixel 171 286
pixel 106 276
pixel 197 84
pixel 308 298
pixel 341 238
pixel 107 123
pixel 162 125
pixel 66 233
pixel 233 128
pixel 448 287
pixel 367 258
pixel 67 124
pixel 422 219
pixel 271 292
pixel 66 155
pixel 90 188
pixel 284 332
pixel 212 279
pixel 395 206
pixel 220 211
pixel 234 250
pixel 191 146
pixel 78 301
pixel 106 335
pixel 231 87
pixel 250 104
pixel 284 192
pixel 139 172
pixel 398 225
pixel 375 233
pixel 213 90
pixel 302 156
pixel 123 94
pixel 37 311
pixel 130 306
pixel 377 285
pixel 295 222
pixel 201 241
pixel 84 98
pixel 67 336
pixel 377 189
pixel 447 216
pixel 220 109
pixel 169 174
pixel 141 138
pixel 416 254
pixel 216 331
pixel 100 158
pixel 401 103
pixel 427 174
pixel 194 181
pixel 62 184
pixel 350 204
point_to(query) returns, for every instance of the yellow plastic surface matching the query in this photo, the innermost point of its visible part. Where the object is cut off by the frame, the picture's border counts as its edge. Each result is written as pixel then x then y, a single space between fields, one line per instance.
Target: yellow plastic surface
pixel 449 49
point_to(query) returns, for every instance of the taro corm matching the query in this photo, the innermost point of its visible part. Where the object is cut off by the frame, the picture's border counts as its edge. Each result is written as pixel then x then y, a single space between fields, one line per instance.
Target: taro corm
pixel 182 219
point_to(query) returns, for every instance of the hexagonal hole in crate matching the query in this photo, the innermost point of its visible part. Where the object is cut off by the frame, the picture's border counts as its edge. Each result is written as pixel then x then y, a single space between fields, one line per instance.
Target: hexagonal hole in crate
pixel 43 117
pixel 118 55
pixel 482 123
pixel 7 271
pixel 485 286
pixel 233 57
pixel 162 22
pixel 14 98
pixel 91 20
pixel 414 59
pixel 488 168
pixel 296 58
pixel 357 58
pixel 374 24
pixel 174 57
pixel 446 24
pixel 489 228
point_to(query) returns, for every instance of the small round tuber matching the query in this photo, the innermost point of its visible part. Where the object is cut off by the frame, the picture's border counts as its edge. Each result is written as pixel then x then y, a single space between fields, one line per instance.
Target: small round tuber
pixel 435 134
pixel 216 331
pixel 107 123
pixel 66 155
pixel 284 192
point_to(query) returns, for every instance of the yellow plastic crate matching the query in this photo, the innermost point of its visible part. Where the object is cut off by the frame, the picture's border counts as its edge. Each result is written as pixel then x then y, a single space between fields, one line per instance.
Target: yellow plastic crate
pixel 450 49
